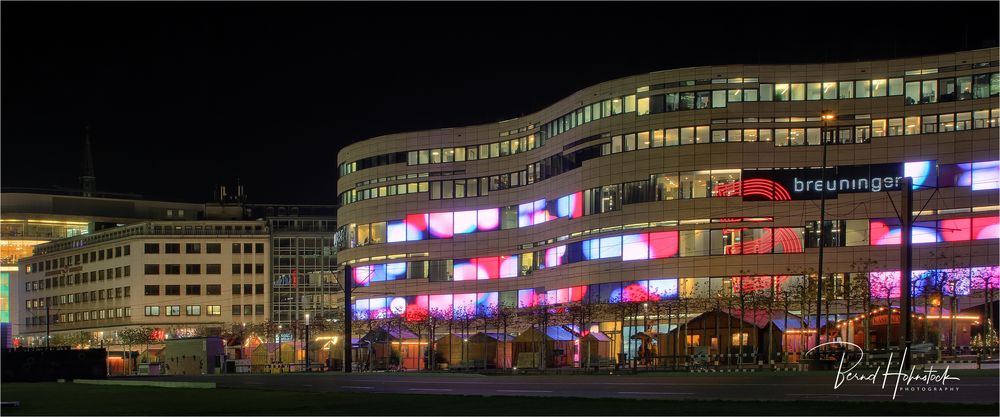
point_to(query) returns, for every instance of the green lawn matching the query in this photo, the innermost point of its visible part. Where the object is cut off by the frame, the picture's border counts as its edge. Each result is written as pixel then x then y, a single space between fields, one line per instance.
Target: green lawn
pixel 78 399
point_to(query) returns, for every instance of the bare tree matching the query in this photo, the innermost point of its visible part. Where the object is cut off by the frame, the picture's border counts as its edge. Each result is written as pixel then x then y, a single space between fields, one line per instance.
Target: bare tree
pixel 862 287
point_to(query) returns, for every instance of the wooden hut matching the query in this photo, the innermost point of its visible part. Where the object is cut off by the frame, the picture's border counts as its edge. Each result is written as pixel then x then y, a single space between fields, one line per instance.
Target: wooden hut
pixel 453 348
pixel 556 344
pixel 595 349
pixel 490 350
pixel 718 333
pixel 392 345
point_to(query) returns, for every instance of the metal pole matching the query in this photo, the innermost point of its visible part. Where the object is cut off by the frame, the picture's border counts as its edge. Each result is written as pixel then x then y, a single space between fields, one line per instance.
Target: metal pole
pixel 906 267
pixel 47 318
pixel 348 282
pixel 822 234
pixel 307 343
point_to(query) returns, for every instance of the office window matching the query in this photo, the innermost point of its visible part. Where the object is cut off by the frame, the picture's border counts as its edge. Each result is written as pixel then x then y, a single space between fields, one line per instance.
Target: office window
pixel 912 125
pixel 192 269
pixel 248 309
pixel 929 124
pixel 248 248
pixel 946 123
pixel 895 127
pixel 765 135
pixel 912 92
pixel 846 90
pixel 213 289
pixel 148 269
pixel 734 135
pixel 193 310
pixel 694 242
pixel 236 289
pixel 701 134
pixel 963 121
pixel 981 85
pixel 236 268
pixel 686 101
pixel 152 310
pixel 172 248
pixel 259 247
pixel 236 248
pixel 151 248
pixel 259 268
pixel 213 248
pixel 719 99
pixel 862 88
pixel 236 310
pixel 213 310
pixel 247 289
pixel 928 92
pixel 194 289
pixel 749 135
pixel 879 88
pixel 259 288
pixel 172 269
pixel 780 137
pixel 151 290
pixel 766 92
pixel 213 269
pixel 798 92
pixel 173 310
pixel 735 96
pixel 259 310
pixel 814 91
pixel 781 92
pixel 718 136
pixel 878 128
pixel 829 90
pixel 192 248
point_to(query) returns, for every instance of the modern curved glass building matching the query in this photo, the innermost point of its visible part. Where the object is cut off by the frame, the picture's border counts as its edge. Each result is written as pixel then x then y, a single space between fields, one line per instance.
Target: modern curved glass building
pixel 693 190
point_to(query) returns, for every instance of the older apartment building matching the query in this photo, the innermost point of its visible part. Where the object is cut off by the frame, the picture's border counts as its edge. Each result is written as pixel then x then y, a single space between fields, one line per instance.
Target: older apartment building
pixel 181 277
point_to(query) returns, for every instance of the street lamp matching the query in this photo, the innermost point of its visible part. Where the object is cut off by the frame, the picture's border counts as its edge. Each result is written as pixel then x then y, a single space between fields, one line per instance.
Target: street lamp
pixel 278 340
pixel 827 117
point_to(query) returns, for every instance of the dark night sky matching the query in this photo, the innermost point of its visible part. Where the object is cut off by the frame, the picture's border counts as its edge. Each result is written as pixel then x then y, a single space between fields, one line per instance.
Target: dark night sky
pixel 184 96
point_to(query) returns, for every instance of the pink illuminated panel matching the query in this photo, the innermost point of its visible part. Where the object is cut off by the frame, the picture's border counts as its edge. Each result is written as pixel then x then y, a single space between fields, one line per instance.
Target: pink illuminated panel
pixel 465 270
pixel 986 227
pixel 442 225
pixel 465 222
pixel 416 227
pixel 488 219
pixel 663 245
pixel 635 247
pixel 440 305
pixel 955 230
pixel 488 267
pixel 465 304
pixel 526 298
pixel 509 266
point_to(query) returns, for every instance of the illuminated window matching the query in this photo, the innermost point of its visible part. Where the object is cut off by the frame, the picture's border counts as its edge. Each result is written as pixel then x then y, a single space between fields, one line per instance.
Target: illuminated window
pixel 814 91
pixel 928 92
pixel 798 92
pixel 829 91
pixel 781 92
pixel 740 339
pixel 879 88
pixel 846 90
pixel 693 340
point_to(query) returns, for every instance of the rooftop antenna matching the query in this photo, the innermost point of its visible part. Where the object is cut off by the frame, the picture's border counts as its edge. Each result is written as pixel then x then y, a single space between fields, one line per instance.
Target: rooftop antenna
pixel 88 182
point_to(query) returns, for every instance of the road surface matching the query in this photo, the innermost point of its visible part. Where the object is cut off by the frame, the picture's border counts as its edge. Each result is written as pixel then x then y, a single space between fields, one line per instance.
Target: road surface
pixel 780 387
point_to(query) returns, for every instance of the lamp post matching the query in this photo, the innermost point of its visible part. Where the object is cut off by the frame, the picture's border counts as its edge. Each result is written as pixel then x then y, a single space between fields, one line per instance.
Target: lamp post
pixel 306 347
pixel 827 117
pixel 278 340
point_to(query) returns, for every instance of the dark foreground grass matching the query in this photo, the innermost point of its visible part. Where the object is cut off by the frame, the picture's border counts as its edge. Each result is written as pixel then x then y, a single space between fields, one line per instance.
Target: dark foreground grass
pixel 78 399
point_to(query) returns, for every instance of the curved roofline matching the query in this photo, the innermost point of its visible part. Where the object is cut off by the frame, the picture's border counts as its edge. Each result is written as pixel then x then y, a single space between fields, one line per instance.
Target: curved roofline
pixel 650 73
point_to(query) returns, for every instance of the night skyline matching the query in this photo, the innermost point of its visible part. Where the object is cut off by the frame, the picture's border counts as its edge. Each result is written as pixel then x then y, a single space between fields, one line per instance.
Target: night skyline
pixel 182 97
